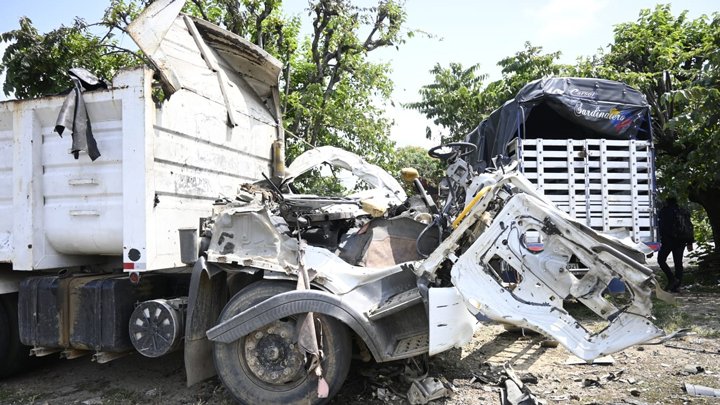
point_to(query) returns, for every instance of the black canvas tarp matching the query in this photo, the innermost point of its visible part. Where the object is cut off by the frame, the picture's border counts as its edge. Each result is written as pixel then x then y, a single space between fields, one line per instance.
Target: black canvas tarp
pixel 562 108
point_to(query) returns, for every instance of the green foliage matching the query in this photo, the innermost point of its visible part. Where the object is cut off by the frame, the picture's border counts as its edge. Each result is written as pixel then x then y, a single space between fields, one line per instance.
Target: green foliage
pixel 334 95
pixel 430 170
pixel 675 62
pixel 458 98
pixel 37 64
pixel 525 66
pixel 454 100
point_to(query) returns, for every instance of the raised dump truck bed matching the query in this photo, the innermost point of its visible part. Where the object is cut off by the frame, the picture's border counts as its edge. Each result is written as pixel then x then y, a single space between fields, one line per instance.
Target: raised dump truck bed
pixel 161 165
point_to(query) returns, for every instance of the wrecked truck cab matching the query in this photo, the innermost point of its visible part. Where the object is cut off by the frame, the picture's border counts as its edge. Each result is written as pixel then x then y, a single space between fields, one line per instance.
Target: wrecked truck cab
pixel 366 185
pixel 262 223
pixel 400 304
pixel 490 242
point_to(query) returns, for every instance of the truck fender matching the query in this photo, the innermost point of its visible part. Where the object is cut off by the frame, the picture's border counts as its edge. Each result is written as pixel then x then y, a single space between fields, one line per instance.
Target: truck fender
pixel 292 303
pixel 207 297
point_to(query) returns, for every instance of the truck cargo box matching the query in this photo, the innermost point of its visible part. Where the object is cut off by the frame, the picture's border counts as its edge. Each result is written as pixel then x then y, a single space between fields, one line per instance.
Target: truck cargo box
pixel 586 144
pixel 162 165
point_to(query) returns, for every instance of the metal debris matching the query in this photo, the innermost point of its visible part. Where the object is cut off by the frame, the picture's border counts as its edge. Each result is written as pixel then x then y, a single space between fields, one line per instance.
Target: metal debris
pixel 702 391
pixel 692 369
pixel 604 360
pixel 426 390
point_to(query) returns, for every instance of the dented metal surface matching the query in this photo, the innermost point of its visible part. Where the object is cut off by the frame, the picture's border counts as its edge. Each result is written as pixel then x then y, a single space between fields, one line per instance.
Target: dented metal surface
pixel 384 185
pixel 482 268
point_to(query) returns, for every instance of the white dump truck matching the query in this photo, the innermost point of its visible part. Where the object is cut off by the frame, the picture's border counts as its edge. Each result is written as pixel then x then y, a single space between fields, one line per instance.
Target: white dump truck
pixel 177 225
pixel 73 229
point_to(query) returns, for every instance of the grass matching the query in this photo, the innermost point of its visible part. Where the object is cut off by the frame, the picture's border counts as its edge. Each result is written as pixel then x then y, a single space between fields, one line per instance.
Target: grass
pixel 11 397
pixel 670 317
pixel 122 396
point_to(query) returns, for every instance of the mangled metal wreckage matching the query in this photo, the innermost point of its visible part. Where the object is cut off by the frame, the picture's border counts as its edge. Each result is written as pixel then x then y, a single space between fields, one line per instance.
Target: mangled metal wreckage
pixel 301 281
pixel 406 277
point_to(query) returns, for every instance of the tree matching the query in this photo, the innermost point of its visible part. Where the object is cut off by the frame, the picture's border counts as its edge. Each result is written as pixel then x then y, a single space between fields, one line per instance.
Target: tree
pixel 333 87
pixel 458 100
pixel 674 62
pixel 332 94
pixel 696 126
pixel 454 100
pixel 37 64
pixel 431 170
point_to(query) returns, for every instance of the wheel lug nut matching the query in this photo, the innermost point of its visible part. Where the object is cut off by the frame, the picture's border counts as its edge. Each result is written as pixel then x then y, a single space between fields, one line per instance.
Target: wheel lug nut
pixel 283 335
pixel 258 335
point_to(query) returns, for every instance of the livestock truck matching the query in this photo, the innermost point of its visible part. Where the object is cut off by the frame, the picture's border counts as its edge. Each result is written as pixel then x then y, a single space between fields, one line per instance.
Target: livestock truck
pixel 586 143
pixel 175 225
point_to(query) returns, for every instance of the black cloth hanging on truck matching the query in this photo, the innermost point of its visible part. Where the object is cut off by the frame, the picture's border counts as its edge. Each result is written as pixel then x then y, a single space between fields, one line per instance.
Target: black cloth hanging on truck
pixel 74 115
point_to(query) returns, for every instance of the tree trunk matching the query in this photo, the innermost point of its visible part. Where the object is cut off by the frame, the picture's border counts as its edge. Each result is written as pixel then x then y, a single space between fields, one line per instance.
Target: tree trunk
pixel 709 200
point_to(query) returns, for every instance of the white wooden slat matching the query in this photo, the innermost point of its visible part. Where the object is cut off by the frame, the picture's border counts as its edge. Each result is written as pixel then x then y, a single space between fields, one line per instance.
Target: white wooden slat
pixel 572 208
pixel 540 182
pixel 604 184
pixel 586 168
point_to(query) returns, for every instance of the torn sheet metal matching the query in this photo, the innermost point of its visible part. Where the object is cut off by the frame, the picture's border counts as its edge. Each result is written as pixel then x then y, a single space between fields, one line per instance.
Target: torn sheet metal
pixel 483 267
pixel 543 281
pixel 149 30
pixel 384 185
pixel 450 325
pixel 215 63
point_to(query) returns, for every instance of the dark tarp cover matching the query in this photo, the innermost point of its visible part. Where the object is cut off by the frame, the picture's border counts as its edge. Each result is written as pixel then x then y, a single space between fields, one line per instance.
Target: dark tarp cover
pixel 562 108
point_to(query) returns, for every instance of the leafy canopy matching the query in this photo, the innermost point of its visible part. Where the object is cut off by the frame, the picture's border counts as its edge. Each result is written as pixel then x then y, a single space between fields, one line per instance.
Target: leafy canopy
pixel 37 64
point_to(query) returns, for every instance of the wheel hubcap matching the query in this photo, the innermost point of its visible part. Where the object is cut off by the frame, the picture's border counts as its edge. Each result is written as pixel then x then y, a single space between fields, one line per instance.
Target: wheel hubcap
pixel 272 356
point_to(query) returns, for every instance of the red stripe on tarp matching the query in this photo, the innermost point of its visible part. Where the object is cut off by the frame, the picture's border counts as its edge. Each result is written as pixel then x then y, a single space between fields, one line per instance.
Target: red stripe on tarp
pixel 128 266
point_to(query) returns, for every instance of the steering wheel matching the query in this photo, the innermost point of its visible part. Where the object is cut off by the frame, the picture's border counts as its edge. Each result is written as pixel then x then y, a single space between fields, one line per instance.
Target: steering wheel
pixel 457 150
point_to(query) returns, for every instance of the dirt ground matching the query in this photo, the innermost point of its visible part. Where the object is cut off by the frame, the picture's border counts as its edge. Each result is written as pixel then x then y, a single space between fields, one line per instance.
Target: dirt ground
pixel 649 374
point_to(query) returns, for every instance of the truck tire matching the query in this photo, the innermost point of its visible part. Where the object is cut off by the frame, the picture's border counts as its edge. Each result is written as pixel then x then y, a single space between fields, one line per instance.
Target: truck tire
pixel 14 356
pixel 279 373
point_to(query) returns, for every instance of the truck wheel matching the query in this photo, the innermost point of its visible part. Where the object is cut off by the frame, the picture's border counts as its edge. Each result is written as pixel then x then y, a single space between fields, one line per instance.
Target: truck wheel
pixel 267 366
pixel 13 354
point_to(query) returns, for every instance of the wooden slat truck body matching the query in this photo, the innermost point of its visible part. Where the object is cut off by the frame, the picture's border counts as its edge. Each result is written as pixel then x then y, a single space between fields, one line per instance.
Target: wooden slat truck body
pixel 586 144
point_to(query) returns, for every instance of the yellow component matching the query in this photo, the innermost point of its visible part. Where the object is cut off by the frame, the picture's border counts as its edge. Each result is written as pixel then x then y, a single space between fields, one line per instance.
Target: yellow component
pixel 472 203
pixel 279 159
pixel 373 208
pixel 409 174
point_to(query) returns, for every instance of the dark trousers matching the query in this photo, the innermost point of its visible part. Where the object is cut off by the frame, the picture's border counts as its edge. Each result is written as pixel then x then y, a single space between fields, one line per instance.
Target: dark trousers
pixel 677 249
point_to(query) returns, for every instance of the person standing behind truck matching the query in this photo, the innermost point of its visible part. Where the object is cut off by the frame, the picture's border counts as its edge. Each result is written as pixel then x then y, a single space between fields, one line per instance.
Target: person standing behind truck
pixel 676 232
